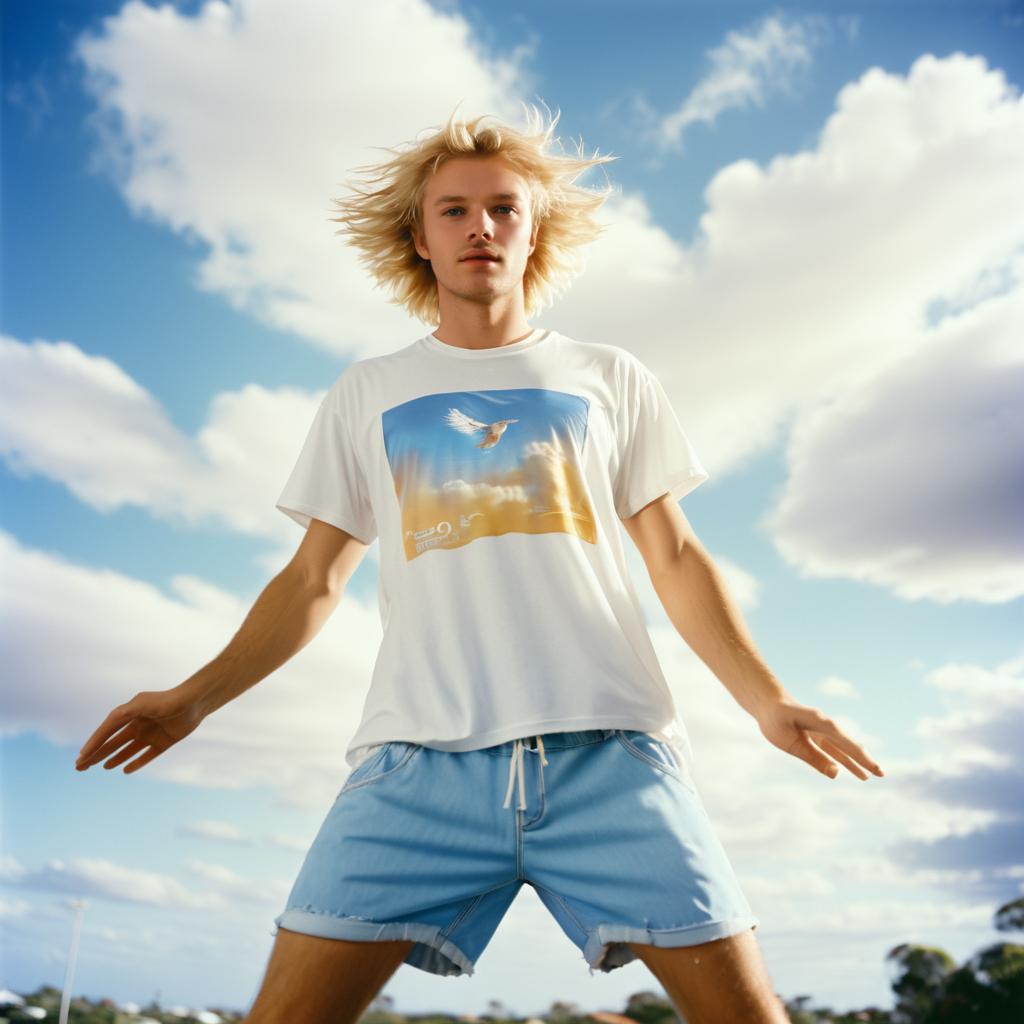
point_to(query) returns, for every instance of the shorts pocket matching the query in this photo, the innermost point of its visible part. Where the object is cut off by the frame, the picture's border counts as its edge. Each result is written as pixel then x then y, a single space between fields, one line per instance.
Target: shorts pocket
pixel 390 758
pixel 656 752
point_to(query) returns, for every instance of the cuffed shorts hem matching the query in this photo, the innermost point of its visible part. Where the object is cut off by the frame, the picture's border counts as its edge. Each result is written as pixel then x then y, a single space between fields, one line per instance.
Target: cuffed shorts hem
pixel 433 952
pixel 606 947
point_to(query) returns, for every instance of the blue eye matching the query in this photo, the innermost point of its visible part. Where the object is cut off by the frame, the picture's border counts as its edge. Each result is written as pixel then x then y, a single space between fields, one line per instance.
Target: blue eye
pixel 450 208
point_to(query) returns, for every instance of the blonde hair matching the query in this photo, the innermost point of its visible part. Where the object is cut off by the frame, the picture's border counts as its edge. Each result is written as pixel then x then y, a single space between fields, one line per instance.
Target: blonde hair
pixel 380 220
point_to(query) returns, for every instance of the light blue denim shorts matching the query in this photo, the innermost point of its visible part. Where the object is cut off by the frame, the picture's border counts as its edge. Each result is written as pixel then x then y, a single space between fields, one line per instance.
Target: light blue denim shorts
pixel 433 846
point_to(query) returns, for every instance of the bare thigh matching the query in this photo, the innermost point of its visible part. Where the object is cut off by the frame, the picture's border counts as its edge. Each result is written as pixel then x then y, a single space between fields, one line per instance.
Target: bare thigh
pixel 323 981
pixel 725 979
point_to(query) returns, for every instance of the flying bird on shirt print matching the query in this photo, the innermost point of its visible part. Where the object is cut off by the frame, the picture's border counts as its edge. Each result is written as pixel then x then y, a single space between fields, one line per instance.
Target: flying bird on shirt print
pixel 460 421
pixel 474 464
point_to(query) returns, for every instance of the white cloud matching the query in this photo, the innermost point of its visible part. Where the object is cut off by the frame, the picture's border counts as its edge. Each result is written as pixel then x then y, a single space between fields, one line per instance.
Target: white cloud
pixel 221 831
pixel 292 843
pixel 233 127
pixel 836 686
pixel 913 481
pixel 78 419
pixel 236 889
pixel 86 877
pixel 895 365
pixel 97 878
pixel 10 869
pixel 32 97
pixel 746 68
pixel 81 420
pixel 770 59
pixel 11 908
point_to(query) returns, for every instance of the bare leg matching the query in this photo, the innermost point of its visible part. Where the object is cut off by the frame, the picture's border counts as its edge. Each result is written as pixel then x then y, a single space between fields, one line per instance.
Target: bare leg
pixel 722 980
pixel 323 981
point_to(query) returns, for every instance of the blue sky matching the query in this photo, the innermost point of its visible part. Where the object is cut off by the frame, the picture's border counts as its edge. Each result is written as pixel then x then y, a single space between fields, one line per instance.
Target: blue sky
pixel 816 245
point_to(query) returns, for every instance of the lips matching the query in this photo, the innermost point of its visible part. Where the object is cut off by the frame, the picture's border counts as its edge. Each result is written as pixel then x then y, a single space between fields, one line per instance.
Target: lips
pixel 486 258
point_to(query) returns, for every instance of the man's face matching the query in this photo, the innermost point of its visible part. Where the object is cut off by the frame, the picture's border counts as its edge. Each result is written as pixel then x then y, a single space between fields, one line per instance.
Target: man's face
pixel 492 216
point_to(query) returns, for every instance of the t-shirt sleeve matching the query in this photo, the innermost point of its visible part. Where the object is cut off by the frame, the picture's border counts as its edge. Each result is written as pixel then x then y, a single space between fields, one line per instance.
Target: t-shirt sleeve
pixel 655 455
pixel 327 481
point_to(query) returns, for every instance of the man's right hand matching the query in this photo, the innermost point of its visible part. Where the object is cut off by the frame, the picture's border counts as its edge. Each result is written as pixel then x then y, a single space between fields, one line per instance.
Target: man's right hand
pixel 150 722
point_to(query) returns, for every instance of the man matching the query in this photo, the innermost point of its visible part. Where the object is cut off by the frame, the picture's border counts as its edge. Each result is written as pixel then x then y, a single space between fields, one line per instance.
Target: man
pixel 495 462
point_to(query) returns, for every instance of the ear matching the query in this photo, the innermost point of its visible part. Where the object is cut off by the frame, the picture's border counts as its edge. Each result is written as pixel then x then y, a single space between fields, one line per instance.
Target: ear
pixel 533 238
pixel 420 243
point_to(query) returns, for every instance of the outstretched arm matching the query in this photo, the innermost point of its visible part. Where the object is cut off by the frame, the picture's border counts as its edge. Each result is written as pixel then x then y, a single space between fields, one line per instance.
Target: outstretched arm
pixel 694 596
pixel 288 613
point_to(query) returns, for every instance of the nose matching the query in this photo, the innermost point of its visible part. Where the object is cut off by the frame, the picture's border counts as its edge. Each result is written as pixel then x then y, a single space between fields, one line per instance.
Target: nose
pixel 482 226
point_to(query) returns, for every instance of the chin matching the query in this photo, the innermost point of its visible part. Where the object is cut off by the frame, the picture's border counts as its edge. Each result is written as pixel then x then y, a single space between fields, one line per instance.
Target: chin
pixel 482 288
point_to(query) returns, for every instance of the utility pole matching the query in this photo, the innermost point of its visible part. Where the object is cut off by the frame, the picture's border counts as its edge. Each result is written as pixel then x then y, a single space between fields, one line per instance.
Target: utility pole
pixel 65 1000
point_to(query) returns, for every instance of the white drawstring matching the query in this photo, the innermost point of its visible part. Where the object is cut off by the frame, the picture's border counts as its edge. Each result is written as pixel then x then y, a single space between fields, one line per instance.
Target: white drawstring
pixel 516 767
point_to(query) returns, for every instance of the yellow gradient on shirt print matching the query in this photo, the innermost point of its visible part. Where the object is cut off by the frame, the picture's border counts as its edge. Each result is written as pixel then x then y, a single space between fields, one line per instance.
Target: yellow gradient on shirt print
pixel 471 464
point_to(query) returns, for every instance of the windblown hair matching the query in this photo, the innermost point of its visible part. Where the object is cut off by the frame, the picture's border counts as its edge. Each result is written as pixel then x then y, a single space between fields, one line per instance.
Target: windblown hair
pixel 380 220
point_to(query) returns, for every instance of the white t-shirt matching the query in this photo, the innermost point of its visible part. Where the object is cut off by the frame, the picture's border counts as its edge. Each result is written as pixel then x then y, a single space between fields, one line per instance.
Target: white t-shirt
pixel 495 480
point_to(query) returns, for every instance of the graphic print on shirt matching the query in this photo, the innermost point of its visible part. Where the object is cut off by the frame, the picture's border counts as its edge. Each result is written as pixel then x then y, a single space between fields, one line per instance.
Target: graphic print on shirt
pixel 471 464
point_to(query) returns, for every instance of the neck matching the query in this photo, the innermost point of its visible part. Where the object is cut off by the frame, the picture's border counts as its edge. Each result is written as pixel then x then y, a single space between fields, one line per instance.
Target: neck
pixel 476 326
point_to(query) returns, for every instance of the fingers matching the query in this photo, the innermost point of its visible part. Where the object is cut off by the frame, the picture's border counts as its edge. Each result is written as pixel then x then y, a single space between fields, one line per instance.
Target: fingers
pixel 114 721
pixel 832 739
pixel 842 758
pixel 124 733
pixel 86 759
pixel 132 729
pixel 143 760
pixel 130 751
pixel 134 746
pixel 839 745
pixel 807 751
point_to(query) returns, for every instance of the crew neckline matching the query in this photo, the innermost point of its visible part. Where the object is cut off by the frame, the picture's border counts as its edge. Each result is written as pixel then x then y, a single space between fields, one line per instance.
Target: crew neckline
pixel 532 340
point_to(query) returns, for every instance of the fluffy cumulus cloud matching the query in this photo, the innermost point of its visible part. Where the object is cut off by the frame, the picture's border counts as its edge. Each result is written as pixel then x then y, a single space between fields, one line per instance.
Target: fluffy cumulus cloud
pixel 79 419
pixel 235 126
pixel 133 915
pixel 979 774
pixel 94 877
pixel 827 287
pixel 914 480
